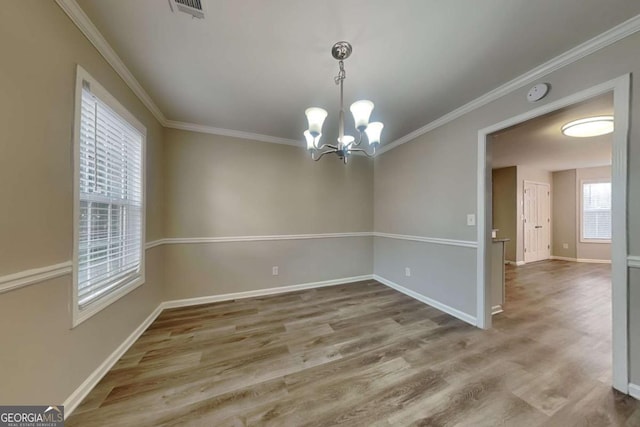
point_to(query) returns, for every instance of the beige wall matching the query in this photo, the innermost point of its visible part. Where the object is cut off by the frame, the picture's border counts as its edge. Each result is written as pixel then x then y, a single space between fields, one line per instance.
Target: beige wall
pixel 220 186
pixel 198 270
pixel 504 202
pixel 427 186
pixel 41 358
pixel 223 186
pixel 564 214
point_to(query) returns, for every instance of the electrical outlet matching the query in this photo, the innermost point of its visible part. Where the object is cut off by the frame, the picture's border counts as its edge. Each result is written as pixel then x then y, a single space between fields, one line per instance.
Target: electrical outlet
pixel 471 219
pixel 407 272
pixel 274 270
pixel 565 246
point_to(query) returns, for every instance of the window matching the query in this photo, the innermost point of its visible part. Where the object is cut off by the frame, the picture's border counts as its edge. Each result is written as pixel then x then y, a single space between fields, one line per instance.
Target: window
pixel 596 212
pixel 109 200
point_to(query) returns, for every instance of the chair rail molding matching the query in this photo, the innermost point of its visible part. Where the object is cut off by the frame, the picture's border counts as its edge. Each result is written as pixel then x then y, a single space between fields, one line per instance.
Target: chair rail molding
pixel 14 281
pixel 633 261
pixel 264 238
pixel 32 276
pixel 434 240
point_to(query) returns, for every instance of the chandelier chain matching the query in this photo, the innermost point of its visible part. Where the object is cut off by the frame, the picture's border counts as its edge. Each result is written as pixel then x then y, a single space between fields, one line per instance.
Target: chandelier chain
pixel 342 74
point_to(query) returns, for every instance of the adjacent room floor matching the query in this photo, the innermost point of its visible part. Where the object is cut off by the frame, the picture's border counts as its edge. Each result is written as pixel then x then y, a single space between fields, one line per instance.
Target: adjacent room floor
pixel 364 354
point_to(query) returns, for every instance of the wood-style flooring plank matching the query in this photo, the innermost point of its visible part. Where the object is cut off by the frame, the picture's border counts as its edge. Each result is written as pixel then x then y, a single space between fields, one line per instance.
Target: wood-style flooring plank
pixel 365 355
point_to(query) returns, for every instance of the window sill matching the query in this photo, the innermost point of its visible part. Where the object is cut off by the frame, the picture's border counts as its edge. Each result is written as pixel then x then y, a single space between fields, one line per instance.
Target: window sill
pixel 595 241
pixel 79 316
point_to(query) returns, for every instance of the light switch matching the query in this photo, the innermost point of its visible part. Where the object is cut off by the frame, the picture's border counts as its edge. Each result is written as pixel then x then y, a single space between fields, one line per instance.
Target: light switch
pixel 471 219
pixel 565 246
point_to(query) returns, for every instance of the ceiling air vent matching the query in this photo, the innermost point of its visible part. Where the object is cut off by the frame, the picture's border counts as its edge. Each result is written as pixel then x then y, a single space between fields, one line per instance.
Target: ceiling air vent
pixel 192 7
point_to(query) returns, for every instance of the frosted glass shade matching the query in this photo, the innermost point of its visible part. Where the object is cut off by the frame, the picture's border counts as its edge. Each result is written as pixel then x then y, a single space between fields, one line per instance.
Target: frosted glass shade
pixel 361 111
pixel 346 140
pixel 373 132
pixel 592 126
pixel 310 140
pixel 315 117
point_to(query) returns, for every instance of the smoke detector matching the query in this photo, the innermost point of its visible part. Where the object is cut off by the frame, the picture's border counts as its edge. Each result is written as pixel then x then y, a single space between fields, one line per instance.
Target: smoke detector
pixel 190 7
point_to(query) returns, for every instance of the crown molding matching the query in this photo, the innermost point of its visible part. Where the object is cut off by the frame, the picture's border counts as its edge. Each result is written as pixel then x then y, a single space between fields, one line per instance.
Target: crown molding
pixel 91 32
pixel 229 132
pixel 600 41
pixel 86 26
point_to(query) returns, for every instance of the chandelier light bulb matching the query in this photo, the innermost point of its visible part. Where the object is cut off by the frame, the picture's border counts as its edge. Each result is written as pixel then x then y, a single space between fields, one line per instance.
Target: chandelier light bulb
pixel 315 117
pixel 309 138
pixel 346 140
pixel 361 111
pixel 373 132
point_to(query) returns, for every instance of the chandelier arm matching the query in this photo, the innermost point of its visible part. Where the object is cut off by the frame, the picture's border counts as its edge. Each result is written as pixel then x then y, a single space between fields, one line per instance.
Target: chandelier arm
pixel 355 144
pixel 333 150
pixel 366 153
pixel 318 147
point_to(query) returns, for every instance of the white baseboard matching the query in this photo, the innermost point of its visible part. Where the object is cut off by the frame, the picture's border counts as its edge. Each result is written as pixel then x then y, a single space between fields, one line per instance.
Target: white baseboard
pixel 518 263
pixel 496 309
pixel 433 303
pixel 261 292
pixel 72 402
pixel 83 390
pixel 593 261
pixel 564 258
pixel 634 391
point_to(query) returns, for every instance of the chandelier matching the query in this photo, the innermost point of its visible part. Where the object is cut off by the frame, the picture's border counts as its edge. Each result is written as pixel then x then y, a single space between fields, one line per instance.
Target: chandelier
pixel 361 111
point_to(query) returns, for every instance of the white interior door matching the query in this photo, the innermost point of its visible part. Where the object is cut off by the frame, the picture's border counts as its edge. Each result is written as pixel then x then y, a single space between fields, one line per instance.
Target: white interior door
pixel 544 221
pixel 530 207
pixel 537 221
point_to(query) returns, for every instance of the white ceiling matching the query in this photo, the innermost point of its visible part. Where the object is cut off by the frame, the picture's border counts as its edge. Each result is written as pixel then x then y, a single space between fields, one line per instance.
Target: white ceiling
pixel 255 65
pixel 540 143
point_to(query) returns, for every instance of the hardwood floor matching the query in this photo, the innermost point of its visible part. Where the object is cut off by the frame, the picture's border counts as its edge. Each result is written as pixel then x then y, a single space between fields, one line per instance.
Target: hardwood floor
pixel 365 355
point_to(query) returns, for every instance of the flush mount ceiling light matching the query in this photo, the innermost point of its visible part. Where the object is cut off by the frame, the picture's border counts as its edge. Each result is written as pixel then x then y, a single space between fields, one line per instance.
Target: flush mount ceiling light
pixel 591 126
pixel 361 111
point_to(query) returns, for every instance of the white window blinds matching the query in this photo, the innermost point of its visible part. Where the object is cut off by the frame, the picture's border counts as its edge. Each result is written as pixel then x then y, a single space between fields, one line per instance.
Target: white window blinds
pixel 109 232
pixel 596 210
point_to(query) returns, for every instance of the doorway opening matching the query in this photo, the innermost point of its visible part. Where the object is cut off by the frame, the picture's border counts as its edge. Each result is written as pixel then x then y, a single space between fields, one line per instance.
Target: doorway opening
pixel 619 88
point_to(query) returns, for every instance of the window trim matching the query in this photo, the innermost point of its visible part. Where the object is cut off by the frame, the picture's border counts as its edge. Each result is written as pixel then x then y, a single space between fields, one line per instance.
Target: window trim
pixel 581 198
pixel 78 316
